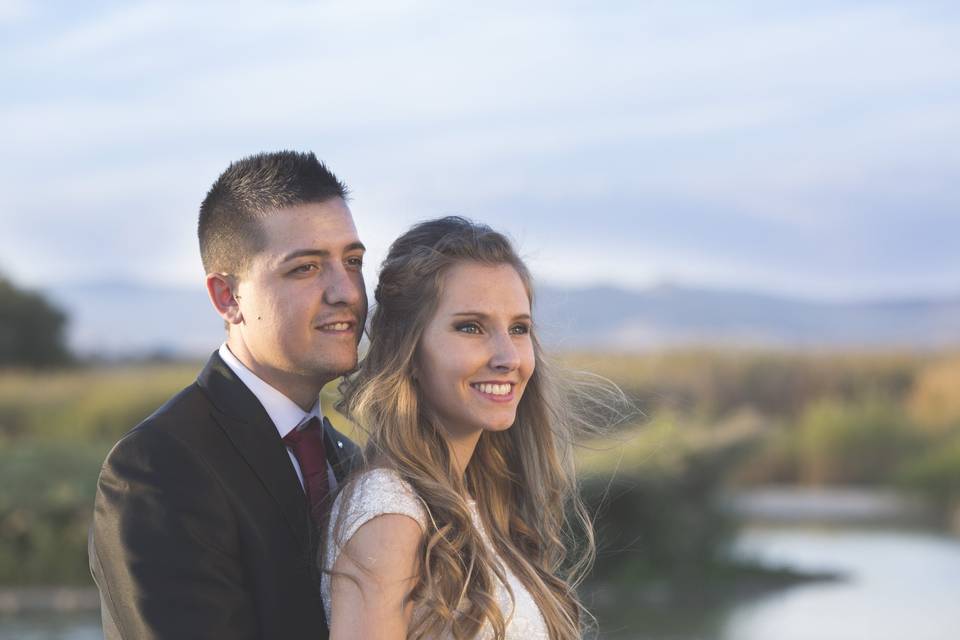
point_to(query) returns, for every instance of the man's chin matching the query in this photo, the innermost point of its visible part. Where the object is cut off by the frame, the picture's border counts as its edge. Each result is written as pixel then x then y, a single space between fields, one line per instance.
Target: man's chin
pixel 331 368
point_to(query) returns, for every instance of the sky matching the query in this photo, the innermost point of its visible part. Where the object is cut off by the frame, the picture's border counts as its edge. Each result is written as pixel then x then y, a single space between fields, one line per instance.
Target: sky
pixel 808 149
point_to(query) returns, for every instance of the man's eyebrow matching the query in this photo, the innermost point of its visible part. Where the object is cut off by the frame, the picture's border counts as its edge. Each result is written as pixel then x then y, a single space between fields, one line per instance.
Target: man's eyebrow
pixel 300 253
pixel 321 253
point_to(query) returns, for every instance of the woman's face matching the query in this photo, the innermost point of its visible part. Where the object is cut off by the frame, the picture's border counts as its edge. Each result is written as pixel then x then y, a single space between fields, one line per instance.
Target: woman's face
pixel 476 353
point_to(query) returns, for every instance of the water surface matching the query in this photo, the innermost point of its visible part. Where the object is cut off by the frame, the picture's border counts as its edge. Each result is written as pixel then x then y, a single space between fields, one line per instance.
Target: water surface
pixel 899 584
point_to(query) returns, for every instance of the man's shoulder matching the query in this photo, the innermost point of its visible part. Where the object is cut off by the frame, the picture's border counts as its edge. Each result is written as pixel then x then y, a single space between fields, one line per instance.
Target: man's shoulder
pixel 172 426
pixel 178 413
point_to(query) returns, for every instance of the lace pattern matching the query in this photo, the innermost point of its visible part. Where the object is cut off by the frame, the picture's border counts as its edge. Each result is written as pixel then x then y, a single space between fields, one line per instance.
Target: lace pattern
pixel 382 491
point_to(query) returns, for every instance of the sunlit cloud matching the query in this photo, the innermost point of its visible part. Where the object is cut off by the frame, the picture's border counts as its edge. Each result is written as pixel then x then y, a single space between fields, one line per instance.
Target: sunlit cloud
pixel 728 144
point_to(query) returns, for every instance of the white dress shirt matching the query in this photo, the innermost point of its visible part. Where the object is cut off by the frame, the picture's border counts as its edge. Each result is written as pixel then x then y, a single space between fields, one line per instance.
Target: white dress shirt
pixel 285 414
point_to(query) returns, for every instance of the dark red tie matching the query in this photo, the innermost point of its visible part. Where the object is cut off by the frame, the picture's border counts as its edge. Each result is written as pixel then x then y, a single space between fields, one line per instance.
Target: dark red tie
pixel 307 445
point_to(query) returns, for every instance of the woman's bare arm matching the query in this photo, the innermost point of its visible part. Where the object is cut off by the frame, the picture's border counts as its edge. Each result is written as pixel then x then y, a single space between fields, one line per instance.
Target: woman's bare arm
pixel 371 579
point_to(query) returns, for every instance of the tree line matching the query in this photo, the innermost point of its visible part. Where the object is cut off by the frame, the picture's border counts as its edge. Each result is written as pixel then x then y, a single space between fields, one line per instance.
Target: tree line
pixel 32 330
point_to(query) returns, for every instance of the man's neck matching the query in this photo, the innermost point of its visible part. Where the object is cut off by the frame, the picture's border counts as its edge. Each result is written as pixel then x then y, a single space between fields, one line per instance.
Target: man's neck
pixel 303 391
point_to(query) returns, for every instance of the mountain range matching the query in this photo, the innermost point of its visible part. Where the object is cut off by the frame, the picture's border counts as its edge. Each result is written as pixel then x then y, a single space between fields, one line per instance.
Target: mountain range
pixel 127 319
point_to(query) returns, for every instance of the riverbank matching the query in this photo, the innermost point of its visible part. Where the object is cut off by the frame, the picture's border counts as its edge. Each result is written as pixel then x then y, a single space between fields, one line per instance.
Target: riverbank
pixel 766 506
pixel 848 506
pixel 896 583
pixel 26 600
pixel 902 584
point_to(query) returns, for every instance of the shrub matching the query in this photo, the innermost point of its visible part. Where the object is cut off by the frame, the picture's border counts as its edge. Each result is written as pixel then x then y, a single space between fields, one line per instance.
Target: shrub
pixel 45 511
pixel 937 473
pixel 934 400
pixel 861 442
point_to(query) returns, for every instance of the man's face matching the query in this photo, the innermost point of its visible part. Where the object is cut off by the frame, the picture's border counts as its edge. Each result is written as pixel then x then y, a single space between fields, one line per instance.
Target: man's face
pixel 302 298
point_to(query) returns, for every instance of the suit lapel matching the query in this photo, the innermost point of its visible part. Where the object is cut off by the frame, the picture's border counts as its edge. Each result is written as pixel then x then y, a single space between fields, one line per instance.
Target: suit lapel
pixel 339 450
pixel 249 428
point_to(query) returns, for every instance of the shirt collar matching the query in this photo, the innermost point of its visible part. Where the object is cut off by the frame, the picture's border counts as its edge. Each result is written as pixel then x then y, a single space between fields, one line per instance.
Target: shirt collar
pixel 284 412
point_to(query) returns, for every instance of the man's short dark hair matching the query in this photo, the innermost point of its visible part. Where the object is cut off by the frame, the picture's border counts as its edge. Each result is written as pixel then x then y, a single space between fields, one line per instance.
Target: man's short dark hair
pixel 250 190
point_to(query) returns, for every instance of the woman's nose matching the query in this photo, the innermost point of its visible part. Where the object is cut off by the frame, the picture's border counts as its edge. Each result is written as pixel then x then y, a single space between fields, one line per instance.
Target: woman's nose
pixel 505 356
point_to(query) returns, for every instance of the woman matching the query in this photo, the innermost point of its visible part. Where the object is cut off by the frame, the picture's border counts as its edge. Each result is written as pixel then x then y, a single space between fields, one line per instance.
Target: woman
pixel 459 527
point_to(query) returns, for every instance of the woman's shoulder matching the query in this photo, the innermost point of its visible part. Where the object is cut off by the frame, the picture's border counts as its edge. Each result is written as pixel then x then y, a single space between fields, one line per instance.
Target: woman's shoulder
pixel 376 492
pixel 384 547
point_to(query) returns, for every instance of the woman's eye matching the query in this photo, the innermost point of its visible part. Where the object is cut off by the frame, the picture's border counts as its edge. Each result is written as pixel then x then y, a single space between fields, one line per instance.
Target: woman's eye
pixel 468 327
pixel 520 329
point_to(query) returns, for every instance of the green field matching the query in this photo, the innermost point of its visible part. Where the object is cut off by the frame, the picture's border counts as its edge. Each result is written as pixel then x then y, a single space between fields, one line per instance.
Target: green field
pixel 710 419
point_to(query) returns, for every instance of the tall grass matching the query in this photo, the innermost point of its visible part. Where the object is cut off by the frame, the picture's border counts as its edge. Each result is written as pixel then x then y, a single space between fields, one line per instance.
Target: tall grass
pixel 85 404
pixel 55 430
pixel 711 417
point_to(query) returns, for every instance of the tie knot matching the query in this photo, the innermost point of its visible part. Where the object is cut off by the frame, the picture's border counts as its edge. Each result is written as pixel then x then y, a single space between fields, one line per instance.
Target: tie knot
pixel 308 448
pixel 310 429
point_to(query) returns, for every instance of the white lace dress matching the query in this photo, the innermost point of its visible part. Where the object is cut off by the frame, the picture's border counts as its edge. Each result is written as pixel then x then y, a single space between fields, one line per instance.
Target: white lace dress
pixel 382 491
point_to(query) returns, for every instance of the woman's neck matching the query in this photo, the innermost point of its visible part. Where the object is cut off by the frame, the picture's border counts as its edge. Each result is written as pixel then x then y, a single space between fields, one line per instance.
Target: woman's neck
pixel 462 448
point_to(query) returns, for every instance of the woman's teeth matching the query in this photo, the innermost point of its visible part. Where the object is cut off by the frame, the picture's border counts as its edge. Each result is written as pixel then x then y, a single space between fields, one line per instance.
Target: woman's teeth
pixel 336 326
pixel 494 389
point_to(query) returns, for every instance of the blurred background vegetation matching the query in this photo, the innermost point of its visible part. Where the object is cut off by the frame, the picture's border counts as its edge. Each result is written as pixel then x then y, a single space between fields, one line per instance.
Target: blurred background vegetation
pixel 31 329
pixel 713 421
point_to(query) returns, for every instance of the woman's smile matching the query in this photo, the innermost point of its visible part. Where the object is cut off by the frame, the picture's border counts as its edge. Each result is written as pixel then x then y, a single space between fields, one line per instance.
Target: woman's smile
pixel 495 391
pixel 476 353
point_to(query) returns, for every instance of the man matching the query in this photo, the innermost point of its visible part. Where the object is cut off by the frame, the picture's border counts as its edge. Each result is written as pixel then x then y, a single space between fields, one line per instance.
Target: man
pixel 205 523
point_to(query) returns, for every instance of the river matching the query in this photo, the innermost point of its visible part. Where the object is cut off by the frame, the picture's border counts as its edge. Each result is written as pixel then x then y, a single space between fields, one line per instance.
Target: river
pixel 899 583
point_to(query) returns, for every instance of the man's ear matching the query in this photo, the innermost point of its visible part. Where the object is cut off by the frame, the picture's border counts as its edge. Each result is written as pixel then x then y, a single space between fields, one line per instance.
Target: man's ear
pixel 220 288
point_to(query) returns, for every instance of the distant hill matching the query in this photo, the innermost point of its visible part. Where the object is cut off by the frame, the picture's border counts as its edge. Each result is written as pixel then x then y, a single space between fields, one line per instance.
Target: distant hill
pixel 123 319
pixel 670 315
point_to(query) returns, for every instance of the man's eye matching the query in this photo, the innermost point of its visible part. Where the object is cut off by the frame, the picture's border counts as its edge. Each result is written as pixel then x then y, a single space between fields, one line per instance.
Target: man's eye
pixel 468 327
pixel 356 262
pixel 305 268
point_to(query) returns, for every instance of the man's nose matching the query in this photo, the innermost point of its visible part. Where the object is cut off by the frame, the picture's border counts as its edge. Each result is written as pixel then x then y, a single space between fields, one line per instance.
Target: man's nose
pixel 505 356
pixel 343 288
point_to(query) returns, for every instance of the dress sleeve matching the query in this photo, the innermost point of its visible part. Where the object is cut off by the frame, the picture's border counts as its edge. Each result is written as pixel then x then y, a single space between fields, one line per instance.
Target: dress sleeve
pixel 377 492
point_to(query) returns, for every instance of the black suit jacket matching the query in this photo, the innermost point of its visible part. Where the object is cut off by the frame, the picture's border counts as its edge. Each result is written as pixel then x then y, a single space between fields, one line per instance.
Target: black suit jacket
pixel 200 526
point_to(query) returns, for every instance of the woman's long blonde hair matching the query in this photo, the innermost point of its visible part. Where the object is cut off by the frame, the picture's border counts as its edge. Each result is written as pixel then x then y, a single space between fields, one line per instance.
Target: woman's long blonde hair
pixel 522 479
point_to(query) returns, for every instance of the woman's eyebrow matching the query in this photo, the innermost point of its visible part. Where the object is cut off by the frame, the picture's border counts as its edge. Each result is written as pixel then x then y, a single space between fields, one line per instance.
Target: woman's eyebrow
pixel 484 316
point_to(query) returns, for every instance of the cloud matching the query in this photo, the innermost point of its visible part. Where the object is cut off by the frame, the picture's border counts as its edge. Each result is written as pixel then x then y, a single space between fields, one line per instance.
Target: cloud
pixel 783 126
